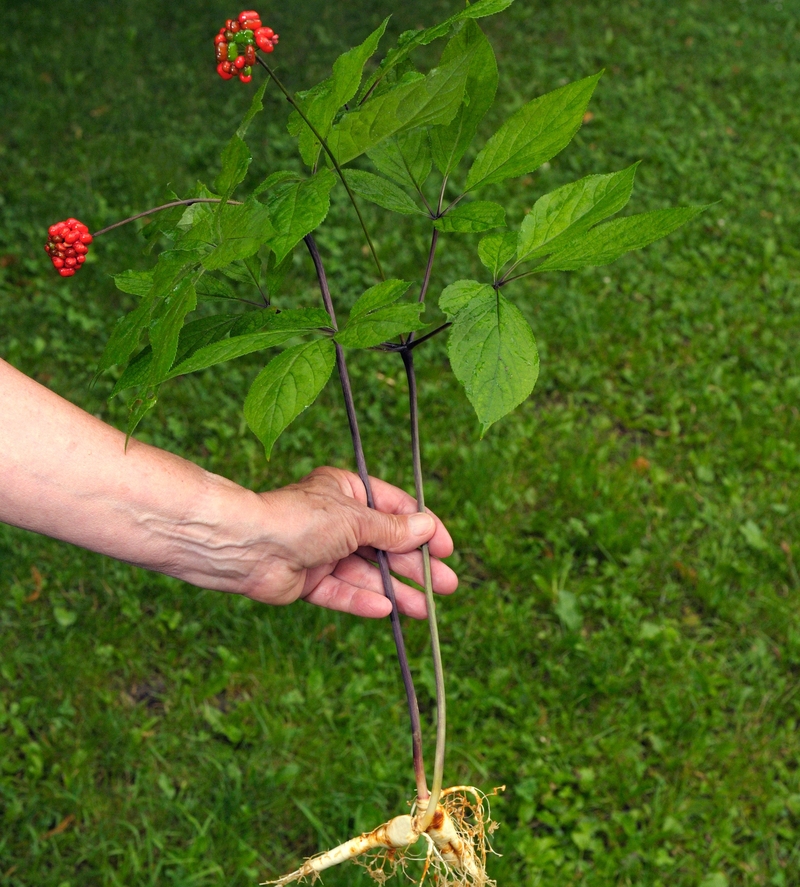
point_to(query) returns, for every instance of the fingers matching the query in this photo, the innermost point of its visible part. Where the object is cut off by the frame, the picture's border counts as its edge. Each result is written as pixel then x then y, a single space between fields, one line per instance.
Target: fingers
pixel 409 565
pixel 389 500
pixel 356 587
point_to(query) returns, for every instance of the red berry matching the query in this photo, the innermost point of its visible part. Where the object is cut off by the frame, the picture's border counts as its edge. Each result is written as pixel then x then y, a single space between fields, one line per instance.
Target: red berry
pixel 265 32
pixel 240 62
pixel 68 245
pixel 250 55
pixel 245 78
pixel 220 38
pixel 223 70
pixel 251 24
pixel 235 27
pixel 248 13
pixel 268 48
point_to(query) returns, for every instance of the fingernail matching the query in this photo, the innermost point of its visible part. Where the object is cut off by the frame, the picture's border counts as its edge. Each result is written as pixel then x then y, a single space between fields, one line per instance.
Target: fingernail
pixel 420 524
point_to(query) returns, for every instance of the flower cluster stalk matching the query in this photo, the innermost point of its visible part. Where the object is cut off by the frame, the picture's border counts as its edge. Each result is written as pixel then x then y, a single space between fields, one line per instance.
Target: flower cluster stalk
pixel 292 101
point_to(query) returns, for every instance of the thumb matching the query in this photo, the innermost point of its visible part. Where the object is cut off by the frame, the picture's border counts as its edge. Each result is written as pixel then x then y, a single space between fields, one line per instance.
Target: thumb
pixel 394 532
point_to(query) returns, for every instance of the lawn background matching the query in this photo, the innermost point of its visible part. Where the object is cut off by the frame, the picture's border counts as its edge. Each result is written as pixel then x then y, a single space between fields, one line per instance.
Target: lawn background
pixel 624 651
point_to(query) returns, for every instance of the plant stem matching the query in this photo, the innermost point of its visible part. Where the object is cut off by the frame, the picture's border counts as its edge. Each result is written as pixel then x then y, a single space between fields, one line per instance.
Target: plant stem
pixel 430 335
pixel 290 98
pixel 383 561
pixel 158 209
pixel 436 650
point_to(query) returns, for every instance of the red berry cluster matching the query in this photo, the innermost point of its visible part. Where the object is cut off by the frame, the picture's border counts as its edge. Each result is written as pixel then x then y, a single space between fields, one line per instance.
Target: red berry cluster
pixel 67 247
pixel 236 43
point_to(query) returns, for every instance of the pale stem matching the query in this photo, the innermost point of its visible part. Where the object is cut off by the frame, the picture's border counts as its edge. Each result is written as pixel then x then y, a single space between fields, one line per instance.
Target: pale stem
pixel 436 650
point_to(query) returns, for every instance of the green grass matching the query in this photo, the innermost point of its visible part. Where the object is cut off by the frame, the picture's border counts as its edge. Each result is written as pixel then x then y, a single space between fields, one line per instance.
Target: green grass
pixel 624 652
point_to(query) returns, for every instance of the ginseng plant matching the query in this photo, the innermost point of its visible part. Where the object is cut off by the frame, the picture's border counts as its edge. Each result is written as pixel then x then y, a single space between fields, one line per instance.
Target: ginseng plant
pixel 404 123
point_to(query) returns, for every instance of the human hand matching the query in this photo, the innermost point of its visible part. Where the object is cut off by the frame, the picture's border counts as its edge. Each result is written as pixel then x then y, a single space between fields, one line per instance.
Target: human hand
pixel 316 540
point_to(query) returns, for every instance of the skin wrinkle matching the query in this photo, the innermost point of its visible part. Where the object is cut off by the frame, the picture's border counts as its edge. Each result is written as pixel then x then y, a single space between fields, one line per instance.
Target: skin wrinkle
pixel 66 474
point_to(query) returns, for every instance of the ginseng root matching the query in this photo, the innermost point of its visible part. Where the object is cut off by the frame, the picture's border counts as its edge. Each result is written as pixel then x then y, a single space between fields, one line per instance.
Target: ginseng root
pixel 457 840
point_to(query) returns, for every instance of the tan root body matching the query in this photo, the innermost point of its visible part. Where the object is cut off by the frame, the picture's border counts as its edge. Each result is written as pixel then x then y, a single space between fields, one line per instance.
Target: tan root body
pixel 457 843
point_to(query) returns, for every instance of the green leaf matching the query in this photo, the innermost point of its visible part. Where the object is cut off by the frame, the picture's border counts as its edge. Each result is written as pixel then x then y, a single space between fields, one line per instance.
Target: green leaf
pixel 166 329
pixel 252 332
pixel 230 349
pixel 296 210
pixel 428 101
pixel 276 272
pixel 256 107
pixel 493 355
pixel 375 318
pixel 381 192
pixel 568 212
pixel 137 283
pixel 411 40
pixel 242 231
pixel 236 159
pixel 193 336
pixel 281 177
pixel 532 135
pixel 471 218
pixel 458 295
pixel 325 100
pixel 379 326
pixel 139 409
pixel 496 250
pixel 379 296
pixel 213 288
pixel 295 319
pixel 164 223
pixel 450 142
pixel 172 266
pixel 405 158
pixel 607 242
pixel 289 384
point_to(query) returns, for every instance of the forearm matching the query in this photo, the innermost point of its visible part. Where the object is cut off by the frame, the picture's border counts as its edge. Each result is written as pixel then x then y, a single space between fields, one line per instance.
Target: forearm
pixel 66 474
